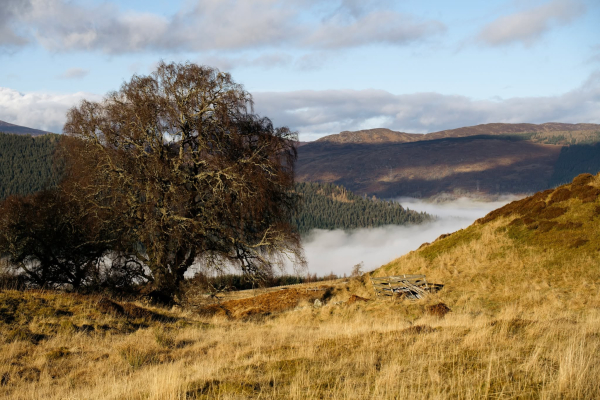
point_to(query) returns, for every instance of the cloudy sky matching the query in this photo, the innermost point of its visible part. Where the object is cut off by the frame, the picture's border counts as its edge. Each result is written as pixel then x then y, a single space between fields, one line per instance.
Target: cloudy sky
pixel 317 66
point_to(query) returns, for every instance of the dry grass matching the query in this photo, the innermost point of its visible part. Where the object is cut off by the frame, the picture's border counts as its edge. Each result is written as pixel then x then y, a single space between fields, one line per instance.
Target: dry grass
pixel 524 323
pixel 379 349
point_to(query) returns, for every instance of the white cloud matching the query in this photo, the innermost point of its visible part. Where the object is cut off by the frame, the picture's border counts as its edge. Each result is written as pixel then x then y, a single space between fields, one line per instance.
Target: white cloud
pixel 318 113
pixel 74 73
pixel 528 26
pixel 10 34
pixel 376 27
pixel 44 111
pixel 264 61
pixel 61 26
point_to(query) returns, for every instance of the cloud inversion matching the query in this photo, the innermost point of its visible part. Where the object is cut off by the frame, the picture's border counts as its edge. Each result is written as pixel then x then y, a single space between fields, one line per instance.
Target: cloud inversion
pixel 338 251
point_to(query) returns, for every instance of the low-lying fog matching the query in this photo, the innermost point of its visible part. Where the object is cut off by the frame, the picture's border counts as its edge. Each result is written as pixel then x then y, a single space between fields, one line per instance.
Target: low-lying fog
pixel 338 251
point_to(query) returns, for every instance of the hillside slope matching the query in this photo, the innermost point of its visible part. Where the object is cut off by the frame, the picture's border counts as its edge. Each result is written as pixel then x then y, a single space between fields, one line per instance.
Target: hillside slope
pixel 20 130
pixel 482 160
pixel 542 132
pixel 542 251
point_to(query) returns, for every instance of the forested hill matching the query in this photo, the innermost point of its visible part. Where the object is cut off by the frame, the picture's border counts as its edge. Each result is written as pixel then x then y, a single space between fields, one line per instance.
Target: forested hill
pixel 26 163
pixel 26 167
pixel 328 206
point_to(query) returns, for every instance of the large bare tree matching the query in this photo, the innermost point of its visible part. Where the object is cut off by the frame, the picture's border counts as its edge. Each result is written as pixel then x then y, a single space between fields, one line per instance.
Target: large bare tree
pixel 191 173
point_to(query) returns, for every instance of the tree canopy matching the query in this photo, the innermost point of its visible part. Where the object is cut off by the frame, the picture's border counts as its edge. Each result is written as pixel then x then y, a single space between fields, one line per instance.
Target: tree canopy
pixel 188 170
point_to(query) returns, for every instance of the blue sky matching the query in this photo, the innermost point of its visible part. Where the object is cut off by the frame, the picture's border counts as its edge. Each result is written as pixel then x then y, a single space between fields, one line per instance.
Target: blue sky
pixel 319 67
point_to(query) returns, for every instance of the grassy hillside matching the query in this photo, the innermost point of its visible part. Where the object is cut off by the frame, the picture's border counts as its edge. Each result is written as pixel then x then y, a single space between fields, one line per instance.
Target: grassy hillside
pixel 540 251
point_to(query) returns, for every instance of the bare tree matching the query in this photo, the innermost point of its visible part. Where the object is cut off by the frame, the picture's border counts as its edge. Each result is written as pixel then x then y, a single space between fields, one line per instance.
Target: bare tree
pixel 189 171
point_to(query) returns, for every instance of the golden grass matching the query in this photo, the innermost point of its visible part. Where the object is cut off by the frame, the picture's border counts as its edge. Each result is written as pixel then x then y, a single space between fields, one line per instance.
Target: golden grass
pixel 379 349
pixel 524 323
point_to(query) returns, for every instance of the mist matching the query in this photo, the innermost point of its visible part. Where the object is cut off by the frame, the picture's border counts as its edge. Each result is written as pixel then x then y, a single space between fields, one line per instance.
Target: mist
pixel 338 251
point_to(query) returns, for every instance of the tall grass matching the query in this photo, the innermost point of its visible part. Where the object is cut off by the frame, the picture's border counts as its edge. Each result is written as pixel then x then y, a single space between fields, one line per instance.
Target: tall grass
pixel 369 350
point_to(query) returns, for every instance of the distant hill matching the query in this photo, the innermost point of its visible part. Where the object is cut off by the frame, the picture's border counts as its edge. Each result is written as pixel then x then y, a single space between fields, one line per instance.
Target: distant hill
pixel 20 130
pixel 541 132
pixel 488 159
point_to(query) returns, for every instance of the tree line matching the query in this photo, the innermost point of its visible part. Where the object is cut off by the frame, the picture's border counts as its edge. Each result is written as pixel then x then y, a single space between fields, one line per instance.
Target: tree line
pixel 329 206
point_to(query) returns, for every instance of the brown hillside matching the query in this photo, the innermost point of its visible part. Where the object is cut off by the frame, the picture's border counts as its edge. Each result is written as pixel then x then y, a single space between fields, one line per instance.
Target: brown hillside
pixel 485 159
pixel 378 135
pixel 426 168
pixel 384 135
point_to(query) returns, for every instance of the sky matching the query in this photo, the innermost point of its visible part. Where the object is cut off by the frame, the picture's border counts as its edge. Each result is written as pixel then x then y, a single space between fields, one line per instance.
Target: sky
pixel 319 67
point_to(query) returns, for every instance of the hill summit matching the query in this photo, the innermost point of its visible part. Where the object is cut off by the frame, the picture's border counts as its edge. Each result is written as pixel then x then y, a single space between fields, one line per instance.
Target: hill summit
pixel 384 135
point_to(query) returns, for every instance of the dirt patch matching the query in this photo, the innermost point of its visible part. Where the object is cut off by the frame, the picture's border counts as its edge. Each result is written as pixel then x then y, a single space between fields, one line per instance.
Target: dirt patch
pixel 442 236
pixel 133 311
pixel 569 225
pixel 546 226
pixel 438 310
pixel 354 298
pixel 264 304
pixel 583 179
pixel 588 194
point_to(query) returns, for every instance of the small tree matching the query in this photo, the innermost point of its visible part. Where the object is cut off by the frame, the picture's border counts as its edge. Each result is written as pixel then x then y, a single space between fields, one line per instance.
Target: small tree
pixel 52 242
pixel 357 270
pixel 189 171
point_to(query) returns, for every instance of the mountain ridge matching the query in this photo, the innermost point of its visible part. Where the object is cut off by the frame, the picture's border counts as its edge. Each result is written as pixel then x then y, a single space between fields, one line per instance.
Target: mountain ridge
pixel 385 135
pixel 7 127
pixel 480 161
